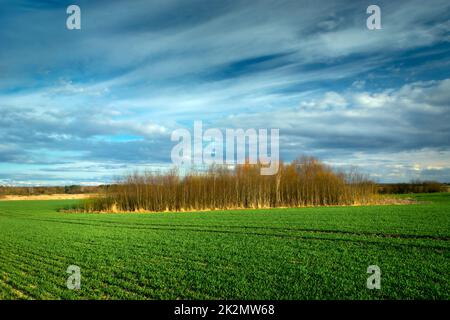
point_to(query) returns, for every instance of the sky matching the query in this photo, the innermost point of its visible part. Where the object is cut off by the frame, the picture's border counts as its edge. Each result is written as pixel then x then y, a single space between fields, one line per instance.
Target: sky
pixel 86 106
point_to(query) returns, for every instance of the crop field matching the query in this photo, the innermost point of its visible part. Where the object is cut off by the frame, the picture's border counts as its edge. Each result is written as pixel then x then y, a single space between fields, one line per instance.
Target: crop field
pixel 304 253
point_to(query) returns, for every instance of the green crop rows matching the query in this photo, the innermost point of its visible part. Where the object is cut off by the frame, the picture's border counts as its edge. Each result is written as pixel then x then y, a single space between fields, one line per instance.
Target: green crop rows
pixel 307 253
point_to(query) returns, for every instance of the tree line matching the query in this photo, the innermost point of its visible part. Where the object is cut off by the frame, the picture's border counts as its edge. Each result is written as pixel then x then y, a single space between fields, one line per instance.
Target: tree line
pixel 48 190
pixel 413 187
pixel 303 182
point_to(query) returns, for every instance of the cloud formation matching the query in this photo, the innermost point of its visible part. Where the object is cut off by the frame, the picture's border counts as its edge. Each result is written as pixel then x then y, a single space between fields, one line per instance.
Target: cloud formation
pixel 83 106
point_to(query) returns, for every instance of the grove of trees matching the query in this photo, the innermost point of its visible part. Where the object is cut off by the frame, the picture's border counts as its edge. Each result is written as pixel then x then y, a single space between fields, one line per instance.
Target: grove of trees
pixel 304 182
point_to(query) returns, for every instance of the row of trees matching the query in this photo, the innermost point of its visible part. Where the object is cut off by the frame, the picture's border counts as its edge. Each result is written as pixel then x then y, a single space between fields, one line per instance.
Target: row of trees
pixel 46 190
pixel 413 187
pixel 304 182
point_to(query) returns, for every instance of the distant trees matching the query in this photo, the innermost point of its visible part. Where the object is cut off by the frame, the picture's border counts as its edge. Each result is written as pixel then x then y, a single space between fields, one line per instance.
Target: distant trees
pixel 46 190
pixel 415 186
pixel 304 182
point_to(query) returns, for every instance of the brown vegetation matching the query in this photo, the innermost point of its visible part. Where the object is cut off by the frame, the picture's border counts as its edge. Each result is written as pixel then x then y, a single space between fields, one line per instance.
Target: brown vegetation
pixel 304 182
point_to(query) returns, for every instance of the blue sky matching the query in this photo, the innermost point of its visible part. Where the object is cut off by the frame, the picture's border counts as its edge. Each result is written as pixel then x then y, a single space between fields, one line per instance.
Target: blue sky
pixel 85 106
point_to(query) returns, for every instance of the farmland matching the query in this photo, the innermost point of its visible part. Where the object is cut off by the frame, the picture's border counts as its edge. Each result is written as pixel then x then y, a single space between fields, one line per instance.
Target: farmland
pixel 294 253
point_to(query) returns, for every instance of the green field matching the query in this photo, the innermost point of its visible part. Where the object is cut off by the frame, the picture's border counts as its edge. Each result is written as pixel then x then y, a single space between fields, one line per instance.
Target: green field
pixel 307 253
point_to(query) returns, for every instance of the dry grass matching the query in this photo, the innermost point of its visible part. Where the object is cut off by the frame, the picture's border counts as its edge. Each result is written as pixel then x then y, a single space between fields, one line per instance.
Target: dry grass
pixel 377 200
pixel 47 197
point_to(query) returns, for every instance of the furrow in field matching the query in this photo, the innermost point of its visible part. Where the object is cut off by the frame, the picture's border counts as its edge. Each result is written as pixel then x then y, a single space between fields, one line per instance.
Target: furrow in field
pixel 120 285
pixel 39 280
pixel 282 231
pixel 46 264
pixel 424 243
